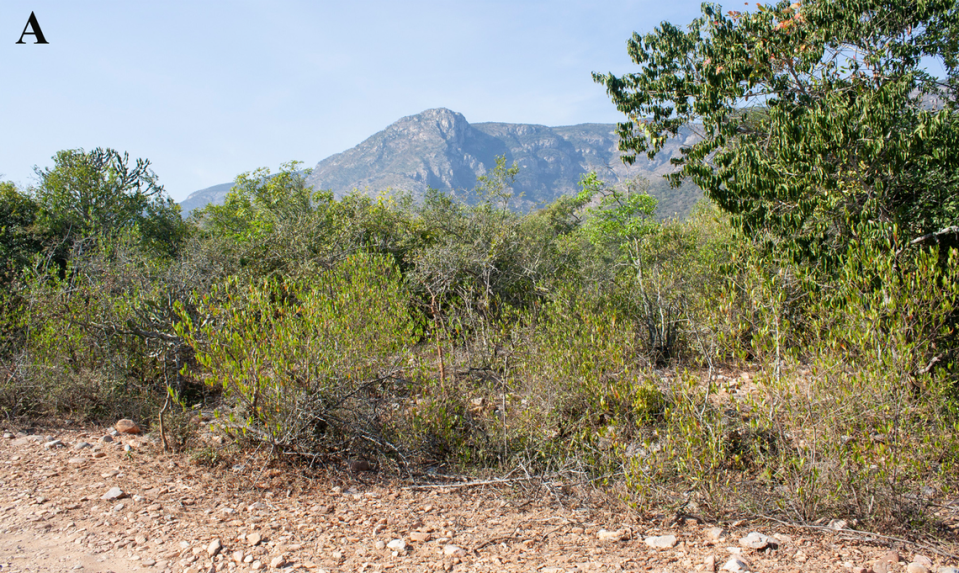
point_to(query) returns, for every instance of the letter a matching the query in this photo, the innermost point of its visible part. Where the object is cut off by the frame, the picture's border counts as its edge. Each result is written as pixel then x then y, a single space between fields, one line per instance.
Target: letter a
pixel 35 31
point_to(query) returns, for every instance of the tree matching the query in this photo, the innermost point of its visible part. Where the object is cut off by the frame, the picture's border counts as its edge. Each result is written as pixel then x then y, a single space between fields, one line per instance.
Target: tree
pixel 817 118
pixel 259 201
pixel 100 193
pixel 20 237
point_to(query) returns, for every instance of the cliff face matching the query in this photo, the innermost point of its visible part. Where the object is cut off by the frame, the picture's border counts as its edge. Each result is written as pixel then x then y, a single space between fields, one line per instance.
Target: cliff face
pixel 439 148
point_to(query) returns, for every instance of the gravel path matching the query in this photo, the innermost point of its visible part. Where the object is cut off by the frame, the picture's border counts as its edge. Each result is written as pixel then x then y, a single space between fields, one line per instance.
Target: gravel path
pixel 171 515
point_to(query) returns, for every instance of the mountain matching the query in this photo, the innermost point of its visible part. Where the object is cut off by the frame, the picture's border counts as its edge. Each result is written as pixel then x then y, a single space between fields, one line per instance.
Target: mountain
pixel 439 148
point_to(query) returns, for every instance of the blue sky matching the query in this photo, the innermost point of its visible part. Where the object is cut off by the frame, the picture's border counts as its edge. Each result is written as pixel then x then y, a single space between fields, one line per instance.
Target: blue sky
pixel 207 89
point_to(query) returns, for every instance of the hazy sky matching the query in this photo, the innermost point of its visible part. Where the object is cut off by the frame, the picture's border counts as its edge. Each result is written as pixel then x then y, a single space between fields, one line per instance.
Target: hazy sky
pixel 209 89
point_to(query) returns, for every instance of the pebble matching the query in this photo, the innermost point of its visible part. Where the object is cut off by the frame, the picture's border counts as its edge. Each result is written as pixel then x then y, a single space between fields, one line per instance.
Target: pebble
pixel 916 568
pixel 397 545
pixel 106 439
pixel 380 544
pixel 661 541
pixel 715 533
pixel 923 560
pixel 948 570
pixel 254 538
pixel 238 556
pixel 81 446
pixel 113 493
pixel 736 565
pixel 710 563
pixel 76 461
pixel 277 562
pixel 604 535
pixel 214 547
pixel 420 536
pixel 758 541
pixel 149 562
pixel 454 550
pixel 256 565
pixel 53 444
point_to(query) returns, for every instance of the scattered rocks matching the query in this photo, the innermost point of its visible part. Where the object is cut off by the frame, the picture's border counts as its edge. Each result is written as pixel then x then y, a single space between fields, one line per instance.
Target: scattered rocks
pixel 661 541
pixel 113 493
pixel 758 541
pixel 126 426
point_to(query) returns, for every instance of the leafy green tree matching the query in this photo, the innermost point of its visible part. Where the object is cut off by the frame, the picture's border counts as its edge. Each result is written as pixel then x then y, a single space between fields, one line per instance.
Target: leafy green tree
pixel 101 193
pixel 817 118
pixel 259 201
pixel 20 236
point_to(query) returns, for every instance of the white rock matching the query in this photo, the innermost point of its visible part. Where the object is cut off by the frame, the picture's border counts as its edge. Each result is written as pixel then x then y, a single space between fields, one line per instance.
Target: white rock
pixel 214 547
pixel 736 565
pixel 380 544
pixel 256 565
pixel 756 540
pixel 53 444
pixel 113 493
pixel 397 545
pixel 949 570
pixel 453 550
pixel 278 561
pixel 661 541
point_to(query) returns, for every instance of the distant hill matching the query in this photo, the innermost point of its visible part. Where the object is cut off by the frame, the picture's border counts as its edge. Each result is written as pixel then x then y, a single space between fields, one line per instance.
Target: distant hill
pixel 438 148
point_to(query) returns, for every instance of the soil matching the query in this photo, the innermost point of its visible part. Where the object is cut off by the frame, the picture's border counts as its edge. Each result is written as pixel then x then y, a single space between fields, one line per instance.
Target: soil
pixel 177 515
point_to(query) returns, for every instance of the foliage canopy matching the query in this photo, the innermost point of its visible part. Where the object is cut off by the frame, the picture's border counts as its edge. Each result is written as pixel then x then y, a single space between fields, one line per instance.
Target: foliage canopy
pixel 816 117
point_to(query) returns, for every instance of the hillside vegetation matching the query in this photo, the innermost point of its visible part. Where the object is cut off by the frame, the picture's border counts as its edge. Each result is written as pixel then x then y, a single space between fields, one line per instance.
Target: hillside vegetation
pixel 787 350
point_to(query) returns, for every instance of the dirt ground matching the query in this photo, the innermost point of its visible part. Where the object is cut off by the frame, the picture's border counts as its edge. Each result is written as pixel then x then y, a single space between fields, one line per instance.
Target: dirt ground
pixel 175 515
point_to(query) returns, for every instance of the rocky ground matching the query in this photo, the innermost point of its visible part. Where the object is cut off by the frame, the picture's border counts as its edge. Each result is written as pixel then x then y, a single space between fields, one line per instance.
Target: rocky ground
pixel 73 500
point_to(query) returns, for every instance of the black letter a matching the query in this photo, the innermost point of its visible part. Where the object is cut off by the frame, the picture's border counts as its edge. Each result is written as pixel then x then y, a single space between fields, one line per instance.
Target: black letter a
pixel 36 32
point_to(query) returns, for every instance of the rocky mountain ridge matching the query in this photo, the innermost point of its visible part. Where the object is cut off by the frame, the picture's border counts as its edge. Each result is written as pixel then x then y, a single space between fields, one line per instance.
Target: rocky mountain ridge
pixel 439 148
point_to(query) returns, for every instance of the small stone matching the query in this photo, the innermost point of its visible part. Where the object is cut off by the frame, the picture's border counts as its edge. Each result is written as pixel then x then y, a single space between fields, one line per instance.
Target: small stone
pixel 113 493
pixel 106 439
pixel 238 556
pixel 81 446
pixel 923 560
pixel 380 544
pixel 254 539
pixel 454 551
pixel 604 535
pixel 420 536
pixel 248 559
pixel 8 436
pixel 916 568
pixel 214 547
pixel 127 448
pixel 715 533
pixel 277 562
pixel 140 540
pixel 256 565
pixel 948 570
pixel 76 461
pixel 710 563
pixel 125 426
pixel 53 444
pixel 337 555
pixel 661 541
pixel 736 565
pixel 397 545
pixel 758 541
pixel 801 557
pixel 859 570
pixel 118 507
pixel 149 562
